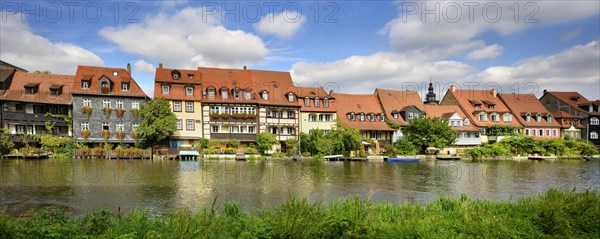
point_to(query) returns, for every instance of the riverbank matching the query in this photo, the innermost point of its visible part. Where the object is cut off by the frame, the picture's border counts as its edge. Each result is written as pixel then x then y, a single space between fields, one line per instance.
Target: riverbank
pixel 553 214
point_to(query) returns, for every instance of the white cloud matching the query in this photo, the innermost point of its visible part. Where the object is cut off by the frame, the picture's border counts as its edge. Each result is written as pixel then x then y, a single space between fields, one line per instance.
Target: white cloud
pixel 20 46
pixel 142 66
pixel 574 69
pixel 414 29
pixel 362 74
pixel 486 52
pixel 283 25
pixel 186 39
pixel 568 35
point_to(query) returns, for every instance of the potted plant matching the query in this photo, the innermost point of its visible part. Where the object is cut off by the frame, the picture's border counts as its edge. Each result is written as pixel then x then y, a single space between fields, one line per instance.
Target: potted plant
pixel 135 113
pixel 105 134
pixel 120 112
pixel 86 110
pixel 120 135
pixel 215 115
pixel 107 111
pixel 85 134
pixel 225 116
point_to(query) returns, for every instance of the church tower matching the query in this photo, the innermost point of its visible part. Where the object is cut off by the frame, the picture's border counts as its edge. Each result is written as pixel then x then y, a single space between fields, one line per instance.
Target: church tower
pixel 430 98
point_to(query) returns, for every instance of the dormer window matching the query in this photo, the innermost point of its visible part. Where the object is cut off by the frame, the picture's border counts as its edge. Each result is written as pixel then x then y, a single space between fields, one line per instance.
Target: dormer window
pixel 591 108
pixel 466 122
pixel 482 117
pixel 55 90
pixel 85 84
pixel 477 106
pixel 306 102
pixel 176 75
pixel 352 117
pixel 31 88
pixel 124 86
pixel 236 94
pixel 538 118
pixel 381 117
pixel 362 117
pixel 317 102
pixel 507 117
pixel 224 92
pixel 372 117
pixel 190 76
pixel 395 114
pixel 410 115
pixel 325 103
pixel 189 91
pixel 247 95
pixel 265 95
pixel 166 89
pixel 104 86
pixel 495 118
pixel 491 107
pixel 115 73
pixel 528 117
pixel 291 97
pixel 549 118
pixel 211 93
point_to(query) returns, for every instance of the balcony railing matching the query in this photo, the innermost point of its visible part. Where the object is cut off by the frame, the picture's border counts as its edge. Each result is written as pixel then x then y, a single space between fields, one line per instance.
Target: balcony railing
pixel 26 117
pixel 238 136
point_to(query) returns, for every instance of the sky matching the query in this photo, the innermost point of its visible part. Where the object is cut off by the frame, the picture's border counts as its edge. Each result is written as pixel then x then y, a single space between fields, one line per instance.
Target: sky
pixel 345 46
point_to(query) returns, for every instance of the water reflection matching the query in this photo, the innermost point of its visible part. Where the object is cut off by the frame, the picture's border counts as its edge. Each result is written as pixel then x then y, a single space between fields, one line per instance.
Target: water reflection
pixel 165 186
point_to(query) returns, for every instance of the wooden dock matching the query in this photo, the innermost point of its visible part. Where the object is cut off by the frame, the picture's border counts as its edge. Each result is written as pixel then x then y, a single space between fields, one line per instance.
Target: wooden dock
pixel 342 158
pixel 448 157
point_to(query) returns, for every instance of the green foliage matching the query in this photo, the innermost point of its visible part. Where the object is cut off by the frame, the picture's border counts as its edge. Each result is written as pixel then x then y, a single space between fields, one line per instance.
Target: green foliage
pixel 6 144
pixel 158 123
pixel 340 140
pixel 233 143
pixel 428 132
pixel 265 141
pixel 391 124
pixel 56 144
pixel 554 214
pixel 202 143
pixel 291 146
pixel 503 130
pixel 524 146
pixel 403 147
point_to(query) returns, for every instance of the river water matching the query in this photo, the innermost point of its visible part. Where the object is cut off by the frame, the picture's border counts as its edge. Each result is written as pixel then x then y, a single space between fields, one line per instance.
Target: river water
pixel 166 186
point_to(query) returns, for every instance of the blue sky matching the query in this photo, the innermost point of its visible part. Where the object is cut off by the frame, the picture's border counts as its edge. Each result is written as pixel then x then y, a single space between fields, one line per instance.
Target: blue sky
pixel 356 46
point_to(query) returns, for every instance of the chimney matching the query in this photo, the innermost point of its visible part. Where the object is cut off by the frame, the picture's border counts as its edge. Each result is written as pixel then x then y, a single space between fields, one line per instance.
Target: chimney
pixel 545 91
pixel 245 68
pixel 331 92
pixel 494 93
pixel 159 65
pixel 452 88
pixel 129 68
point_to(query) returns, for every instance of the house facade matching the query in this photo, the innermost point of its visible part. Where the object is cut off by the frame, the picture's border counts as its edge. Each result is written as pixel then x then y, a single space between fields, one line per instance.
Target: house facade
pixel 400 107
pixel 536 120
pixel 317 109
pixel 364 112
pixel 575 104
pixel 183 89
pixel 37 104
pixel 571 126
pixel 106 103
pixel 468 134
pixel 483 108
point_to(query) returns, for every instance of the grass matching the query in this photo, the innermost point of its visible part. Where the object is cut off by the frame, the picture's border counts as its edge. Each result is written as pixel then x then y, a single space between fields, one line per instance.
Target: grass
pixel 554 214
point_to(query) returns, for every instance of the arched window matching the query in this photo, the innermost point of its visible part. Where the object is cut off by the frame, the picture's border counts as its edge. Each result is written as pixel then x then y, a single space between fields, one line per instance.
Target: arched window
pixel 306 101
pixel 317 102
pixel 362 117
pixel 265 95
pixel 594 121
pixel 291 97
pixel 593 135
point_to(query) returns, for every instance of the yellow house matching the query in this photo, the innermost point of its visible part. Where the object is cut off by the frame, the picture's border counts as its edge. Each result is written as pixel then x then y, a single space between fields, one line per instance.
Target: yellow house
pixel 317 110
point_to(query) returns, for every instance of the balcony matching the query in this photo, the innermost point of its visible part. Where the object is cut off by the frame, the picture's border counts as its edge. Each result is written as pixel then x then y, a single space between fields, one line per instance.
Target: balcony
pixel 25 117
pixel 240 137
pixel 468 141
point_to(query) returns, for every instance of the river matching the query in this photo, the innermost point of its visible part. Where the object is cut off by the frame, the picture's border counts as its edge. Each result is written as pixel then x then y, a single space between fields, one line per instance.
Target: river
pixel 77 185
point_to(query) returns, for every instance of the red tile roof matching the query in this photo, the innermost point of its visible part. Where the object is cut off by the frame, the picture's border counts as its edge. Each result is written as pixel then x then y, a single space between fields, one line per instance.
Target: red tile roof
pixel 95 73
pixel 562 116
pixel 177 87
pixel 16 91
pixel 522 104
pixel 312 93
pixel 445 112
pixel 464 99
pixel 357 104
pixel 277 83
pixel 397 100
pixel 574 99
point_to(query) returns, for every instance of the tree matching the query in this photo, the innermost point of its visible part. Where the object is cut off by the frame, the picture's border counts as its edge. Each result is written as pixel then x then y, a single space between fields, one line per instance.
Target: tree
pixel 158 122
pixel 292 146
pixel 427 132
pixel 5 143
pixel 265 141
pixel 45 72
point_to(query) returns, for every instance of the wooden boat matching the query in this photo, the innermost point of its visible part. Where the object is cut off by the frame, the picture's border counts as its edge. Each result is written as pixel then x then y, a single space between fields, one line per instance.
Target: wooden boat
pixel 539 158
pixel 401 160
pixel 447 158
pixel 591 158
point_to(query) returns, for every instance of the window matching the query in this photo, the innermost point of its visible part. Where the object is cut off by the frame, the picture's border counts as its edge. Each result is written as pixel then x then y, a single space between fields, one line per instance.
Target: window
pixel 307 102
pixel 593 135
pixel 538 118
pixel 526 132
pixel 362 117
pixel 533 131
pixel 85 126
pixel 395 115
pixel 224 93
pixel 328 117
pixel 106 103
pixel 495 118
pixel 236 94
pixel 381 117
pixel 215 129
pixel 410 115
pixel 527 118
pixel 165 89
pixel 119 104
pixel 189 106
pixel 189 91
pixel 189 124
pixel 290 130
pixel 541 131
pixel 549 118
pixel 491 107
pixel 134 127
pixel 211 93
pixel 87 103
pixel 291 97
pixel 124 86
pixel 176 75
pixel 115 73
pixel 85 84
pixel 265 95
pixel 547 132
pixel 190 76
pixel 466 122
pixel 507 117
pixel 594 121
pixel 482 117
pixel 372 117
pixel 477 106
pixel 317 102
pixel 291 115
pixel 176 106
pixel 55 92
pixel 591 108
pixel 326 103
pixel 120 127
pixel 248 95
pixel 30 90
pixel 554 133
pixel 135 105
pixel 312 117
pixel 105 126
pixel 375 134
pixel 352 117
pixel 179 124
pixel 251 129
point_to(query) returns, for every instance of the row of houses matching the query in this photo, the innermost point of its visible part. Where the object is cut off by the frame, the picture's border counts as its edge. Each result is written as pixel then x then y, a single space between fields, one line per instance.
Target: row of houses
pixel 216 103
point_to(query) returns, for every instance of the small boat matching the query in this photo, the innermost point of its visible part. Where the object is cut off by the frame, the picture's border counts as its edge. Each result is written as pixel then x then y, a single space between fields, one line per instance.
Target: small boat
pixel 401 160
pixel 539 158
pixel 333 157
pixel 591 158
pixel 447 158
pixel 188 154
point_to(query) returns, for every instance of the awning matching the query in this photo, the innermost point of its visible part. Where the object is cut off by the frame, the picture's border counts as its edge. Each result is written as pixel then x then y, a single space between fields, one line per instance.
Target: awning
pixel 188 153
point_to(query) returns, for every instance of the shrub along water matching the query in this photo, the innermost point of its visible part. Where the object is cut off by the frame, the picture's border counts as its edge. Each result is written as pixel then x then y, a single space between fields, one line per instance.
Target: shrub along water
pixel 523 146
pixel 556 213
